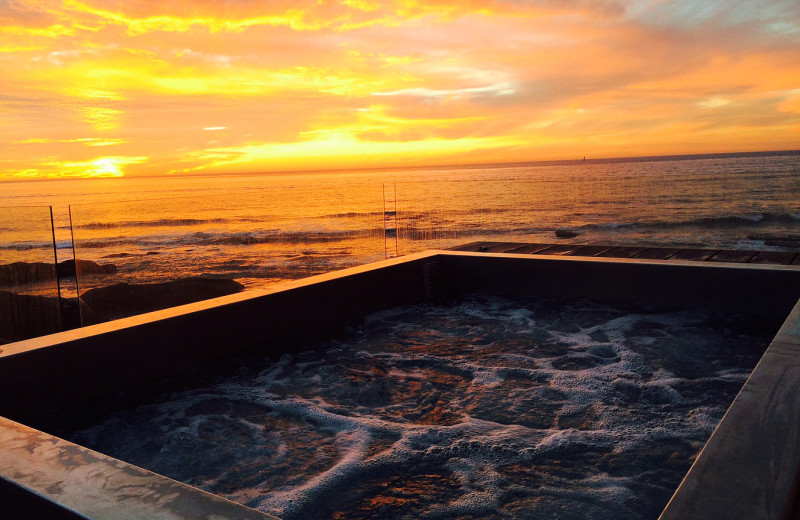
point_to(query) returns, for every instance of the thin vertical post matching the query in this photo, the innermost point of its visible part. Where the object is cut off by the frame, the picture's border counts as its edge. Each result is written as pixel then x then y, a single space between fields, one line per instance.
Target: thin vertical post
pixel 55 269
pixel 396 223
pixel 390 222
pixel 385 238
pixel 75 262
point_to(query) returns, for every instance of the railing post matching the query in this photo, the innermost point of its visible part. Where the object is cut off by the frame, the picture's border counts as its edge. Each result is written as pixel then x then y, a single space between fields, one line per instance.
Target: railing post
pixel 75 263
pixel 390 222
pixel 55 270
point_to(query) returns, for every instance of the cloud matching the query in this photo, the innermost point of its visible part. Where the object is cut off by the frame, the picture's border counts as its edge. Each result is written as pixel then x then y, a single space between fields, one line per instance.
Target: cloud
pixel 502 89
pixel 332 149
pixel 528 79
pixel 111 166
pixel 88 141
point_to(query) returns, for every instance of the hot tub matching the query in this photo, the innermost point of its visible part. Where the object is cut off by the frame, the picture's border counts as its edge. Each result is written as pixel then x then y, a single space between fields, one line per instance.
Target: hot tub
pixel 86 384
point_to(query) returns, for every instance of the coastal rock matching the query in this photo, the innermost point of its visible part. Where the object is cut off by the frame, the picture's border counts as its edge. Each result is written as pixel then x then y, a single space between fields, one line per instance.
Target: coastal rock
pixel 123 299
pixel 790 241
pixel 566 233
pixel 67 268
pixel 25 316
pixel 21 273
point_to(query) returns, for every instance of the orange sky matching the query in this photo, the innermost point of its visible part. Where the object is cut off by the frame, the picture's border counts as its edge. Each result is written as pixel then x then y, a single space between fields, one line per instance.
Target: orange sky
pixel 106 88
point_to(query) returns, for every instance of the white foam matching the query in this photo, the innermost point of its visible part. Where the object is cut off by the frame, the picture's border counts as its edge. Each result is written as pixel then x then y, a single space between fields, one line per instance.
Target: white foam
pixel 621 402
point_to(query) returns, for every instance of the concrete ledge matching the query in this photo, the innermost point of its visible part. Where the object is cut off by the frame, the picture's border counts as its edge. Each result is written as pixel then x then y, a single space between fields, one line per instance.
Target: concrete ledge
pixel 749 467
pixel 66 481
pixel 790 330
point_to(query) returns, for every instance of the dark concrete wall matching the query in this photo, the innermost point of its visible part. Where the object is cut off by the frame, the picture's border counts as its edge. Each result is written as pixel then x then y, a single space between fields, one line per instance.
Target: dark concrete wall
pixel 147 352
pixel 768 293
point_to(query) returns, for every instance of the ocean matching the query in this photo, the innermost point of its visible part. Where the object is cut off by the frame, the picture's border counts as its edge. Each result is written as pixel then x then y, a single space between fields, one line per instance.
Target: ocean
pixel 261 229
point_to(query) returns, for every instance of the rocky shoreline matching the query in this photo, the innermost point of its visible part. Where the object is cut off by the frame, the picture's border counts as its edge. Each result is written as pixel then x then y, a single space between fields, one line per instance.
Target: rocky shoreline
pixel 24 273
pixel 31 315
pixel 123 299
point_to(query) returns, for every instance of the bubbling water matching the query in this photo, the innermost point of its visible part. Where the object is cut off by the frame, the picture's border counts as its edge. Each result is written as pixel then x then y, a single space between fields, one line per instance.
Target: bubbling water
pixel 481 409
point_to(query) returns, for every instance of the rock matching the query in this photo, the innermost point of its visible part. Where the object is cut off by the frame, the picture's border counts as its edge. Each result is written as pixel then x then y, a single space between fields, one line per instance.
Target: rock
pixel 123 299
pixel 25 316
pixel 70 313
pixel 566 233
pixel 789 241
pixel 67 268
pixel 21 273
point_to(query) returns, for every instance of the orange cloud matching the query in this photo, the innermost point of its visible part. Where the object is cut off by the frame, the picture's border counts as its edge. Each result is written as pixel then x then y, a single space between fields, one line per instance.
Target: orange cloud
pixel 296 84
pixel 88 141
pixel 112 166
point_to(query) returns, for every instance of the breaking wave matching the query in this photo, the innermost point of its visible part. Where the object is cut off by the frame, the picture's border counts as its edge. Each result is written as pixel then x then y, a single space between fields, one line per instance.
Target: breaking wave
pixel 203 238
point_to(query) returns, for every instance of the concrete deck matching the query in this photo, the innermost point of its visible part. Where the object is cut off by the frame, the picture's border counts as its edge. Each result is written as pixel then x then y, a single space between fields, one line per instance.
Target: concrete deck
pixel 749 468
pixel 43 477
pixel 653 253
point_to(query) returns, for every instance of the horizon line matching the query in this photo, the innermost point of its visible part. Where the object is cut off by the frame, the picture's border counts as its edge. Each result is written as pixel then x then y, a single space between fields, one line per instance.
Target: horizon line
pixel 367 169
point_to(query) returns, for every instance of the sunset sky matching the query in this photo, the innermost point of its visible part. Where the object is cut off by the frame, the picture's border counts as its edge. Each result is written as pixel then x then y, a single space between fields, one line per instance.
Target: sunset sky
pixel 110 88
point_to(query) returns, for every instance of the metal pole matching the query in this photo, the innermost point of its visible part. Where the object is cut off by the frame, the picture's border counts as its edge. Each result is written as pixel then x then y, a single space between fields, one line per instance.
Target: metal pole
pixel 55 268
pixel 75 261
pixel 396 223
pixel 385 238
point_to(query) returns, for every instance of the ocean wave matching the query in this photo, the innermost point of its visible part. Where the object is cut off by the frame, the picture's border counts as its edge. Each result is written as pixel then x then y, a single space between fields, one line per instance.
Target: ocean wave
pixel 292 237
pixel 26 246
pixel 445 226
pixel 244 238
pixel 185 222
pixel 354 214
pixel 166 222
pixel 710 222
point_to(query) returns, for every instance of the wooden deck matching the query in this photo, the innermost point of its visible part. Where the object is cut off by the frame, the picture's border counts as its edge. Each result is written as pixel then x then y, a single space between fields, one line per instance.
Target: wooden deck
pixel 652 253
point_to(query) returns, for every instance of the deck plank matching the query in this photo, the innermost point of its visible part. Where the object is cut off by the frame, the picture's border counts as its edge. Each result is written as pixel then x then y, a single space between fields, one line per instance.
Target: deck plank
pixel 623 252
pixel 500 247
pixel 700 255
pixel 659 253
pixel 558 249
pixel 590 250
pixel 733 256
pixel 529 248
pixel 471 247
pixel 774 257
pixel 508 247
pixel 483 247
pixel 641 252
